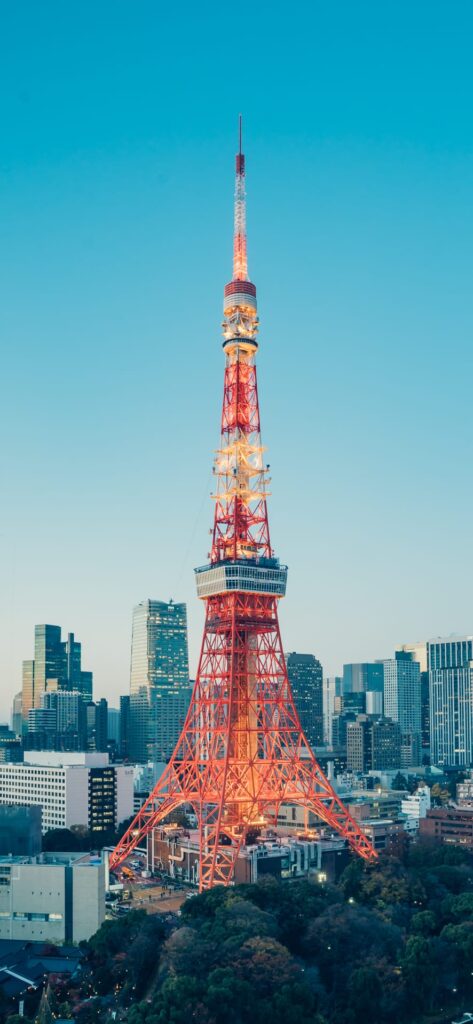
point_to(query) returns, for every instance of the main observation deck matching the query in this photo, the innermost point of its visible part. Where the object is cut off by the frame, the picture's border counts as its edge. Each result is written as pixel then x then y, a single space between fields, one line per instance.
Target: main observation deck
pixel 253 576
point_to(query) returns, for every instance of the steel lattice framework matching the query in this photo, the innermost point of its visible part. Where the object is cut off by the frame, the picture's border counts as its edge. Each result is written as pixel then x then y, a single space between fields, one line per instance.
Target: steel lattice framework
pixel 242 752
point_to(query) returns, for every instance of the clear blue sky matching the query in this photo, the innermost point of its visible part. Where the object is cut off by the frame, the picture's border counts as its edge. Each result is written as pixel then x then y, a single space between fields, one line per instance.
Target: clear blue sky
pixel 116 181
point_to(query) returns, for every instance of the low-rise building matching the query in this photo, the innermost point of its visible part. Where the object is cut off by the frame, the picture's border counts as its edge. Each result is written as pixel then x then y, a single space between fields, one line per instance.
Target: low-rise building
pixel 465 792
pixel 175 852
pixel 380 831
pixel 452 825
pixel 71 788
pixel 415 807
pixel 55 897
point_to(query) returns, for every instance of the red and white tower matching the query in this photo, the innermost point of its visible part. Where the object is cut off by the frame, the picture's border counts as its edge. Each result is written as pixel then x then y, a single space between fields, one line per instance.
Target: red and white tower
pixel 242 752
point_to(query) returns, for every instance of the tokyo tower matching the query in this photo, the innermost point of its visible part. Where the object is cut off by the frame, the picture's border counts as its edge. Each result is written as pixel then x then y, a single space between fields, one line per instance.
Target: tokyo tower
pixel 242 752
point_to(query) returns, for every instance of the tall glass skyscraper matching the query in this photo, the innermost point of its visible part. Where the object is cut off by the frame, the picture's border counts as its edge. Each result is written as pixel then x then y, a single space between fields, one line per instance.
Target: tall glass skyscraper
pixel 56 666
pixel 363 677
pixel 402 703
pixel 450 663
pixel 306 679
pixel 159 679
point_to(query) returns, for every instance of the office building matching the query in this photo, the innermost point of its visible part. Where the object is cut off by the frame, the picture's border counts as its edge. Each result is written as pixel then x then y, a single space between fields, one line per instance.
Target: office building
pixel 16 714
pixel 373 743
pixel 451 825
pixel 96 725
pixel 340 722
pixel 20 830
pixel 359 744
pixel 451 701
pixel 306 679
pixel 59 724
pixel 361 677
pixel 54 897
pixel 386 745
pixel 159 680
pixel 374 702
pixel 125 728
pixel 332 687
pixel 419 653
pixel 113 729
pixel 67 786
pixel 402 703
pixel 10 745
pixel 56 666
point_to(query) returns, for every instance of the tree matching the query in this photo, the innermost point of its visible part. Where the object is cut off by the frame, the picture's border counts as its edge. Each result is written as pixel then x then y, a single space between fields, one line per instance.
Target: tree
pixel 365 993
pixel 399 782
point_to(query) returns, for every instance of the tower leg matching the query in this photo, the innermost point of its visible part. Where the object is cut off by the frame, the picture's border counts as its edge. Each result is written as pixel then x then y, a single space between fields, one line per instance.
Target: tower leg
pixel 317 795
pixel 220 845
pixel 162 801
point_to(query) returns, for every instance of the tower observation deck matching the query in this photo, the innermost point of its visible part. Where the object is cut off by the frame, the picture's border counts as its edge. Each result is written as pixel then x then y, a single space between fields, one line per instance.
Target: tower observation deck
pixel 242 752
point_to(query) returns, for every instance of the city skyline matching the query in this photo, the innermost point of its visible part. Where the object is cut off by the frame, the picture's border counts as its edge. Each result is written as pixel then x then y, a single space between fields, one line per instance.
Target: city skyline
pixel 104 240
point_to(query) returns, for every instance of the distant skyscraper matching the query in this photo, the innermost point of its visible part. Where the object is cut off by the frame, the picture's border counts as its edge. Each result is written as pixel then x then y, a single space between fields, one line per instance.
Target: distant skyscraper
pixel 450 664
pixel 113 728
pixel 386 745
pixel 359 745
pixel 159 682
pixel 306 679
pixel 332 687
pixel 402 703
pixel 125 727
pixel 56 666
pixel 97 725
pixel 419 653
pixel 16 714
pixel 360 677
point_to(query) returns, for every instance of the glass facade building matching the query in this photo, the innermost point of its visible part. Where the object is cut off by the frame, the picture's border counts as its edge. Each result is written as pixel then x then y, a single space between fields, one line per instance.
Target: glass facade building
pixel 56 666
pixel 450 663
pixel 159 679
pixel 403 703
pixel 361 677
pixel 306 679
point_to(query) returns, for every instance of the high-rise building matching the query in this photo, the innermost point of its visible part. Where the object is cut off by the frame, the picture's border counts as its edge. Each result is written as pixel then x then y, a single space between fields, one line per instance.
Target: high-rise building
pixel 402 703
pixel 56 666
pixel 306 678
pixel 159 681
pixel 59 724
pixel 16 714
pixel 96 725
pixel 359 744
pixel 373 743
pixel 125 728
pixel 386 745
pixel 332 687
pixel 360 677
pixel 419 653
pixel 450 664
pixel 113 728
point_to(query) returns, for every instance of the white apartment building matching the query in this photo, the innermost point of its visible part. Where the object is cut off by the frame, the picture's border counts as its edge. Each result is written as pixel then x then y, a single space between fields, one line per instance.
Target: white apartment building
pixel 416 805
pixel 54 897
pixel 71 788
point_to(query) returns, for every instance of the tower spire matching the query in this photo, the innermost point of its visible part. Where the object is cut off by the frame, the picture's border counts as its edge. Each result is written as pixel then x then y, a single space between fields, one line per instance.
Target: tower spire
pixel 240 258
